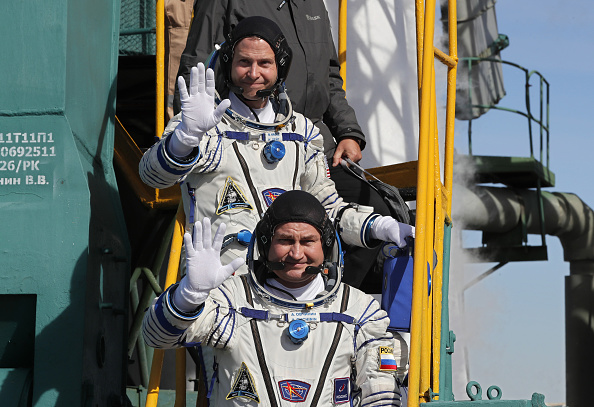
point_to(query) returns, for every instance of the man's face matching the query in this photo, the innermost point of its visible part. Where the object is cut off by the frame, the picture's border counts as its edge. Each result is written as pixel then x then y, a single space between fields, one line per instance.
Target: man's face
pixel 253 69
pixel 298 245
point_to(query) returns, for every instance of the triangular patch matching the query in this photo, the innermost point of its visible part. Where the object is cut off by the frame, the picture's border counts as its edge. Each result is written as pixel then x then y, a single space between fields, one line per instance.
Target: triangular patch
pixel 244 386
pixel 232 198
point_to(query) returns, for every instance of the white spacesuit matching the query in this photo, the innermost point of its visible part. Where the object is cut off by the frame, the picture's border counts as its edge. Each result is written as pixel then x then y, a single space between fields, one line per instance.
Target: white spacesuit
pixel 272 349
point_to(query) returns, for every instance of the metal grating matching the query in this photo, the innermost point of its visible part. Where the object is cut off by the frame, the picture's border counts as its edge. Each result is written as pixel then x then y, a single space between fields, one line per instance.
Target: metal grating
pixel 137 27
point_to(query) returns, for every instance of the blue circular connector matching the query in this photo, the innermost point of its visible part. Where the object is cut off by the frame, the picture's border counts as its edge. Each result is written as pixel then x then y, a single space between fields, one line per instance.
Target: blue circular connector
pixel 298 331
pixel 274 151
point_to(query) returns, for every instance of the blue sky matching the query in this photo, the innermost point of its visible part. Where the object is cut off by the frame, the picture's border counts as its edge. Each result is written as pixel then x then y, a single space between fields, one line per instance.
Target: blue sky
pixel 519 310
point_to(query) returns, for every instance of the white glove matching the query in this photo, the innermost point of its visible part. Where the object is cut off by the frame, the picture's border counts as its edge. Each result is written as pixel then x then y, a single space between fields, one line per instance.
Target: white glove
pixel 198 112
pixel 204 270
pixel 388 229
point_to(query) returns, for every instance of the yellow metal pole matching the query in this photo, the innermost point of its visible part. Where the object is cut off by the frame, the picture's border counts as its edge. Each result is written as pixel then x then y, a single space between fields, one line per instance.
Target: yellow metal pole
pixel 419 14
pixel 170 278
pixel 342 39
pixel 420 260
pixel 160 91
pixel 451 103
pixel 436 280
pixel 429 234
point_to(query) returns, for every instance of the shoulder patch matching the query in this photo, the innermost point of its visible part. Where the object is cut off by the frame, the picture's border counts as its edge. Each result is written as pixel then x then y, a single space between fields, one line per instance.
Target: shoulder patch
pixel 232 198
pixel 243 386
pixel 294 391
pixel 271 194
pixel 386 359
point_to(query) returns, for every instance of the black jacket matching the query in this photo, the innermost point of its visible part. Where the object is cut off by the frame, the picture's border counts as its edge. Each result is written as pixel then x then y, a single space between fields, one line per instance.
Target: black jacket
pixel 314 84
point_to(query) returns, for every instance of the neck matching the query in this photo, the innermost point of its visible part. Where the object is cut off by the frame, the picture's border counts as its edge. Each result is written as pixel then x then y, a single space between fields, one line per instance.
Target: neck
pixel 258 103
pixel 297 284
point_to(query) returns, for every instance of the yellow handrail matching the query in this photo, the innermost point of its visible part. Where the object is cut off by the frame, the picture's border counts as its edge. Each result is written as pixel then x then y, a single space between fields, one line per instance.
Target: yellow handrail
pixel 171 278
pixel 432 212
pixel 160 77
pixel 342 39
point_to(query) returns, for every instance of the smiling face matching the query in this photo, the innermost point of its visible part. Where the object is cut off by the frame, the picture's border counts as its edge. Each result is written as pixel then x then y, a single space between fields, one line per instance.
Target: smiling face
pixel 298 245
pixel 253 68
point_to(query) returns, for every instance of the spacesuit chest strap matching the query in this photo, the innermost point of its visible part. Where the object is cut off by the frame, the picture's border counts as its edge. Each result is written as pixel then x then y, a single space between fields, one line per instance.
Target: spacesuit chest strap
pixel 330 356
pixel 306 316
pixel 258 344
pixel 271 136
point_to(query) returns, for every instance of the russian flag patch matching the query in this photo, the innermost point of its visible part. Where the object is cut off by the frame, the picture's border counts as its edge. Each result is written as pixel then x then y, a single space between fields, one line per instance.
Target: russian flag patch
pixel 387 362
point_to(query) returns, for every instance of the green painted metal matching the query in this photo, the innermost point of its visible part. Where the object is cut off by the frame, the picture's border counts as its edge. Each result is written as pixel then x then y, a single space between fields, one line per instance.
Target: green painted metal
pixel 448 338
pixel 494 394
pixel 137 396
pixel 542 120
pixel 65 248
pixel 519 172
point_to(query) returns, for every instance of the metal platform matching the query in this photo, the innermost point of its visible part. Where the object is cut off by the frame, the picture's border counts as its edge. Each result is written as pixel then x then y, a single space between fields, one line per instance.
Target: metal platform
pixel 517 172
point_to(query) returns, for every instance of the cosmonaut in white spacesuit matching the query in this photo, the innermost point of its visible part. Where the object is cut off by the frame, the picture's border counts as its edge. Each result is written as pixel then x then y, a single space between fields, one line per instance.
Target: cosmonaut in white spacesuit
pixel 288 331
pixel 234 157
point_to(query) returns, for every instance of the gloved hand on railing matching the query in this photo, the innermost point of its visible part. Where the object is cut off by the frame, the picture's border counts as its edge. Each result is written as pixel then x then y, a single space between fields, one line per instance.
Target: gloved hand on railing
pixel 198 111
pixel 204 270
pixel 388 229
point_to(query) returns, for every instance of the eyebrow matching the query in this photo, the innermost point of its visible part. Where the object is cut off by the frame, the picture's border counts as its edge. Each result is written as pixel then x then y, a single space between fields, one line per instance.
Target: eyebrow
pixel 289 236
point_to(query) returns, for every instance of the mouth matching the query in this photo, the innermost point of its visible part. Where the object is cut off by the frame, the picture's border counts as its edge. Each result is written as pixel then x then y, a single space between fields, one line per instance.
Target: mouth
pixel 295 266
pixel 252 85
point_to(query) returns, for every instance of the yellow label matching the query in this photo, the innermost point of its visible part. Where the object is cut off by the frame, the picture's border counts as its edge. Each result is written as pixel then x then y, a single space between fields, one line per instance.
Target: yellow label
pixel 386 350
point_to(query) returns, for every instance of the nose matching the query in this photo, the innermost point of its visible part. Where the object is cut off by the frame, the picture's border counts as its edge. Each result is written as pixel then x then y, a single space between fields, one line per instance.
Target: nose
pixel 296 251
pixel 254 71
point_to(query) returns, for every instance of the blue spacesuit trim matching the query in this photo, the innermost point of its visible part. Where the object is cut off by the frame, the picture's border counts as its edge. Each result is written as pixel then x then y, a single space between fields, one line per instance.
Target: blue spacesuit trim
pixel 388 401
pixel 366 230
pixel 254 313
pixel 363 319
pixel 176 312
pixel 160 314
pixel 157 334
pixel 309 131
pixel 244 136
pixel 311 157
pixel 193 199
pixel 151 174
pixel 165 164
pixel 210 159
pixel 336 317
pixel 237 135
pixel 324 316
pixel 228 318
pixel 217 313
